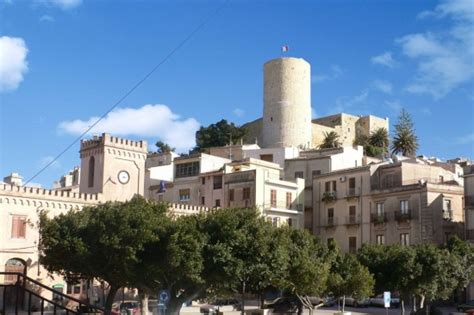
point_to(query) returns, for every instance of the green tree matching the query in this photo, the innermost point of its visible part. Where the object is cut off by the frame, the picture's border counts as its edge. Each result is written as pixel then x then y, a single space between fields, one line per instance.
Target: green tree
pixel 162 147
pixel 101 242
pixel 174 262
pixel 218 134
pixel 405 140
pixel 331 140
pixel 348 277
pixel 379 138
pixel 462 253
pixel 308 266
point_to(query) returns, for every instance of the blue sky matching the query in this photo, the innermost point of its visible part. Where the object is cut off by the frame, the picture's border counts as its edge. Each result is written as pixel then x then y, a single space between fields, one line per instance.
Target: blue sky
pixel 64 62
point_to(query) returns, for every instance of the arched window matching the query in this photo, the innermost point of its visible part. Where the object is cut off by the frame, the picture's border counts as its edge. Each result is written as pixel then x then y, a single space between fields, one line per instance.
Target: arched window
pixel 14 265
pixel 91 171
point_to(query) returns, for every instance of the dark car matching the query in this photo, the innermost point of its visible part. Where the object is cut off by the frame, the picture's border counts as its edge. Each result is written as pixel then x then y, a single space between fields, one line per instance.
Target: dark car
pixel 283 305
pixel 466 306
pixel 221 305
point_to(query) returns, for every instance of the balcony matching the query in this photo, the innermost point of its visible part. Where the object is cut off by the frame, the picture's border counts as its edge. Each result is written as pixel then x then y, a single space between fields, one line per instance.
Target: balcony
pixel 330 222
pixel 403 215
pixel 352 193
pixel 470 235
pixel 378 218
pixel 329 196
pixel 448 215
pixel 353 220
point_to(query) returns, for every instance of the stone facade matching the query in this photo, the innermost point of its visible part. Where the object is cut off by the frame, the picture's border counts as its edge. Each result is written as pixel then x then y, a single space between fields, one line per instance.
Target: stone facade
pixel 385 203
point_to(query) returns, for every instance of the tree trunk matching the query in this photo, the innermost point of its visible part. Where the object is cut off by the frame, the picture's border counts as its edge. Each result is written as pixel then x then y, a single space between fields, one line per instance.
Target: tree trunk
pixel 110 299
pixel 422 301
pixel 414 304
pixel 427 308
pixel 174 306
pixel 343 304
pixel 402 306
pixel 144 303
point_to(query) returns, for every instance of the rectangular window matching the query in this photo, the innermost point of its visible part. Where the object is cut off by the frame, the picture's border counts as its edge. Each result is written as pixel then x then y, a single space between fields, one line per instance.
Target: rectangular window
pixel 203 181
pixel 19 226
pixel 380 208
pixel 327 186
pixel 184 195
pixel 187 169
pixel 77 289
pixel 217 182
pixel 352 183
pixel 299 175
pixel 289 221
pixel 273 198
pixel 288 200
pixel 69 288
pixel 441 179
pixel 404 239
pixel 331 216
pixel 352 244
pixel 231 195
pixel 334 185
pixel 380 239
pixel 404 206
pixel 276 221
pixel 266 157
pixel 352 211
pixel 316 172
pixel 447 204
pixel 203 201
pixel 218 202
pixel 246 193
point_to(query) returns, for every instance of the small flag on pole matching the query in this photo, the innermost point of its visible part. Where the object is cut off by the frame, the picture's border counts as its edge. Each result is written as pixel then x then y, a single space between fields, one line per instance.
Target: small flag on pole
pixel 285 48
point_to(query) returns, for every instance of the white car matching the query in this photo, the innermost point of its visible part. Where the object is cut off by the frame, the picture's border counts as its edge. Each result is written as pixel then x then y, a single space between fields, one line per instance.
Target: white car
pixel 379 301
pixel 350 301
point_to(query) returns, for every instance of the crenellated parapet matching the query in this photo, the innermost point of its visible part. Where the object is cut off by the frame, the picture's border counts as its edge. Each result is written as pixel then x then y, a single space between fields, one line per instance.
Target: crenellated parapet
pixel 14 191
pixel 106 140
pixel 180 209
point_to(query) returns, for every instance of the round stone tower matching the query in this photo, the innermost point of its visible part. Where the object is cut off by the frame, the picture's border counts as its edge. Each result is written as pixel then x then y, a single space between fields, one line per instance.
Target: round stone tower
pixel 287 103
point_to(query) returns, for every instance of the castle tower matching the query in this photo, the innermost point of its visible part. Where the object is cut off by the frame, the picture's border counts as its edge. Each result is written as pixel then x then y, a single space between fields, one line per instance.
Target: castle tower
pixel 113 166
pixel 287 103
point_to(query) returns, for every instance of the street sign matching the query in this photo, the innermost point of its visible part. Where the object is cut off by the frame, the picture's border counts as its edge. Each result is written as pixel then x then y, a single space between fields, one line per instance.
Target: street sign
pixel 386 299
pixel 164 296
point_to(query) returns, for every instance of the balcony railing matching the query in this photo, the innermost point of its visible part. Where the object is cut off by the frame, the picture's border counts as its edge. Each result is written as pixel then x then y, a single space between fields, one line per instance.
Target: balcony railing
pixel 330 222
pixel 403 215
pixel 470 235
pixel 448 215
pixel 352 193
pixel 329 196
pixel 352 220
pixel 378 218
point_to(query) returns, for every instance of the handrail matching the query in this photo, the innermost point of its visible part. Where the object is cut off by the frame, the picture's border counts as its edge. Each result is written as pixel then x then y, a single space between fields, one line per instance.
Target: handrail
pixel 25 278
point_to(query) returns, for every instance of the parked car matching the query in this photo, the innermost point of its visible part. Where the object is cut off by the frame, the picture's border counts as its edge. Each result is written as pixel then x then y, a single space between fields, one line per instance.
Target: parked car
pixel 294 300
pixel 221 305
pixel 379 301
pixel 470 312
pixel 120 308
pixel 283 305
pixel 350 301
pixel 465 306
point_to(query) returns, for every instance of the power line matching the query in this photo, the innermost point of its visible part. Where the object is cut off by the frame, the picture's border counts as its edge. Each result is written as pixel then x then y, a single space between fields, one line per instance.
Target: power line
pixel 168 56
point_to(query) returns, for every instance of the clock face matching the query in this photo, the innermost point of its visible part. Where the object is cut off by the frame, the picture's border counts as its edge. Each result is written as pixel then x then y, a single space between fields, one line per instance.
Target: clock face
pixel 123 177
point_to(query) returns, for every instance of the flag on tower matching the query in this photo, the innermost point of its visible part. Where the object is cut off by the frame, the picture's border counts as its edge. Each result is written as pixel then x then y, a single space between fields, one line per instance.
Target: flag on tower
pixel 285 48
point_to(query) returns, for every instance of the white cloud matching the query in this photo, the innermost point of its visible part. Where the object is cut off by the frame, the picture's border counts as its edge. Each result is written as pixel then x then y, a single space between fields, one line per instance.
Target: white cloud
pixel 347 104
pixel 444 59
pixel 46 18
pixel 63 4
pixel 334 72
pixel 238 112
pixel 382 86
pixel 152 121
pixel 13 64
pixel 384 59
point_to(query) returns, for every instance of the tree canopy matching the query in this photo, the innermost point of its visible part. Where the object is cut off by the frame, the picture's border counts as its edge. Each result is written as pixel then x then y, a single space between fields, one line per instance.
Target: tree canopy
pixel 374 145
pixel 162 147
pixel 405 140
pixel 218 134
pixel 331 140
pixel 103 241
